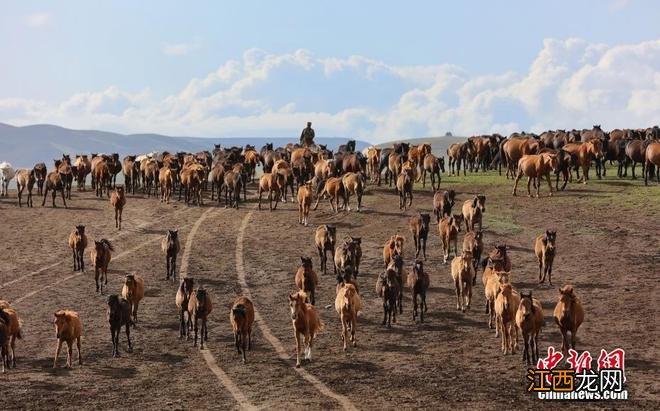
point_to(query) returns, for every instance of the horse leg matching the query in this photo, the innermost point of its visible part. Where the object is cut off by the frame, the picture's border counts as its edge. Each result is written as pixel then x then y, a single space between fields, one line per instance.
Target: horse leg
pixel 297 335
pixel 458 293
pixel 69 354
pixel 57 352
pixel 195 329
pixel 515 185
pixel 96 278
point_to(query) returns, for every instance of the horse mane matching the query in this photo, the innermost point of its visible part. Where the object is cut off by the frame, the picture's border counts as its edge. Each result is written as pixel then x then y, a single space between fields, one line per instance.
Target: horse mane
pixel 107 243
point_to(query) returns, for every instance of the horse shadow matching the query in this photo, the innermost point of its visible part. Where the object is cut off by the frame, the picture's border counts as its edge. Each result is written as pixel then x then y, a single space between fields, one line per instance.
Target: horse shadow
pixel 150 231
pixel 116 372
pixel 517 248
pixel 81 208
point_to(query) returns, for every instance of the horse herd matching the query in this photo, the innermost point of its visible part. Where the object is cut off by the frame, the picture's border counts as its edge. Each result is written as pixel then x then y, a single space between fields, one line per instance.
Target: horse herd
pixel 315 171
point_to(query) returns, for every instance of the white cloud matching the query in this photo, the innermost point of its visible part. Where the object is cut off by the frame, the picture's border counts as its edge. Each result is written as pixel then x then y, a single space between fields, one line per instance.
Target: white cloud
pixel 570 83
pixel 181 49
pixel 36 20
pixel 618 5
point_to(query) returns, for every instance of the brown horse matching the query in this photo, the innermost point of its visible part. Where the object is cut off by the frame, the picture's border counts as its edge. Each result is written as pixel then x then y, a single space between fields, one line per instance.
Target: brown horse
pixel 133 292
pixel 272 183
pixel 432 165
pixel 584 153
pixel 473 242
pixel 388 289
pixel 250 162
pixel 25 179
pixel 418 281
pixel 353 185
pixel 40 173
pixel 536 166
pixel 323 169
pixel 183 295
pixel 419 227
pixel 473 211
pixel 118 201
pixel 456 154
pixel 10 330
pixel 217 180
pixel 54 183
pixel 233 184
pixel 652 162
pixel 83 168
pixel 306 324
pixel 545 249
pixel 373 163
pixel 305 198
pixel 449 228
pixel 66 172
pixel 461 273
pixel 443 202
pixel 101 255
pixel 506 307
pixel 166 180
pixel 569 315
pixel 393 246
pixel 306 279
pixel 131 173
pixel 199 307
pixel 119 314
pixel 347 304
pixel 514 149
pixel 78 243
pixel 334 189
pixel 529 320
pixel 404 187
pixel 101 177
pixel 68 327
pixel 170 246
pixel 325 239
pixel 241 318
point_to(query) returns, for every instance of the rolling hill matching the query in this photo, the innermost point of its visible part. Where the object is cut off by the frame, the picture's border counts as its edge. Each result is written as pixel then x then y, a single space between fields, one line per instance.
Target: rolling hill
pixel 25 146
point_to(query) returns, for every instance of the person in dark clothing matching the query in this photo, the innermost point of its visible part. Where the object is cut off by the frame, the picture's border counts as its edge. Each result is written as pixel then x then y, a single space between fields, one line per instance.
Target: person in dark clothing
pixel 307 135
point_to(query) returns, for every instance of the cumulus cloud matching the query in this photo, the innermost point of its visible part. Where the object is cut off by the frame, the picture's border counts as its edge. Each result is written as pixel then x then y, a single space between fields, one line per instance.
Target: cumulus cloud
pixel 570 83
pixel 181 49
pixel 36 20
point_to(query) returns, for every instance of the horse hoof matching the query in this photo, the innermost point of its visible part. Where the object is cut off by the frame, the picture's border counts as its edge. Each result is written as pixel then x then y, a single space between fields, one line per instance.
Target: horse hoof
pixel 297 365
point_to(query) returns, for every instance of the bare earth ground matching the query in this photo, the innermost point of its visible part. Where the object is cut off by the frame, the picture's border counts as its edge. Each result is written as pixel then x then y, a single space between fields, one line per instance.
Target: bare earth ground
pixel 608 247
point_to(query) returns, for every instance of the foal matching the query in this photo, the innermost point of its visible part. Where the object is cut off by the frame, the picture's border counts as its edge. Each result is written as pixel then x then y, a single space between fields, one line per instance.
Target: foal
pixel 170 246
pixel 78 243
pixel 306 278
pixel 119 314
pixel 306 324
pixel 118 201
pixel 241 317
pixel 199 307
pixel 182 298
pixel 101 255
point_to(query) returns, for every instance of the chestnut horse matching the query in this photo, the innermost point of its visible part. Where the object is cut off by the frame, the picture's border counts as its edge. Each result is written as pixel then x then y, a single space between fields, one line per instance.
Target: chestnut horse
pixel 306 324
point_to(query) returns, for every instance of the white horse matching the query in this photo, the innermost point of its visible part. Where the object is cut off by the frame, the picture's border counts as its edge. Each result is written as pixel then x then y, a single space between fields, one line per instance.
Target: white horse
pixel 7 172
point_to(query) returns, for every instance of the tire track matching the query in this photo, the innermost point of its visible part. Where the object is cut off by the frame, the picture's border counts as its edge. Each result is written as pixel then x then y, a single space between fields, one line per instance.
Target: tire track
pixel 265 329
pixel 222 376
pixel 78 274
pixel 136 229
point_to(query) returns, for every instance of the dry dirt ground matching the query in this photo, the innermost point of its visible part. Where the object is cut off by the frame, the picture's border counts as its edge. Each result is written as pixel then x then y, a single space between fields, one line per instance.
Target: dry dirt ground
pixel 608 247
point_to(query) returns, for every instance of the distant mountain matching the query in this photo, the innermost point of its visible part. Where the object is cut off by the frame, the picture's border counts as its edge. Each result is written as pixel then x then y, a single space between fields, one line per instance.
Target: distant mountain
pixel 439 145
pixel 25 146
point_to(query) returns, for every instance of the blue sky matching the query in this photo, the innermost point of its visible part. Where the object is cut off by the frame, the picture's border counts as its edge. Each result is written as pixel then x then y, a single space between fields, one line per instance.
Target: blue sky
pixel 373 69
